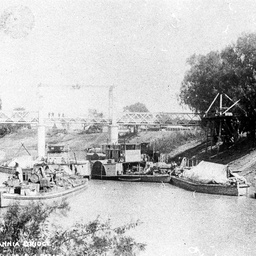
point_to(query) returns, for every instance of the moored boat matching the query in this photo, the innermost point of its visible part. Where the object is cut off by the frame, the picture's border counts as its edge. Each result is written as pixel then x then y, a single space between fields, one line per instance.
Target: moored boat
pixel 211 178
pixel 220 189
pixel 31 192
pixel 134 179
pixel 146 178
pixel 57 159
pixel 125 162
pixel 53 177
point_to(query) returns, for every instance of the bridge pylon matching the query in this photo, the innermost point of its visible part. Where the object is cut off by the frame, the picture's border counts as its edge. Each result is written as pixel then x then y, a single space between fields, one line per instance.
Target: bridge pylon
pixel 41 126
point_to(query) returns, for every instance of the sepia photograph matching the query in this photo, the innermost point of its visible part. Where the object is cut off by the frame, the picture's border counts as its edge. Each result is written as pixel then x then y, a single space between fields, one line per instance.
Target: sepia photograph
pixel 127 127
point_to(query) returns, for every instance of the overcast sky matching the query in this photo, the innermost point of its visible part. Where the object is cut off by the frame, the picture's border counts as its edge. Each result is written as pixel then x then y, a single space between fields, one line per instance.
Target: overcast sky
pixel 139 46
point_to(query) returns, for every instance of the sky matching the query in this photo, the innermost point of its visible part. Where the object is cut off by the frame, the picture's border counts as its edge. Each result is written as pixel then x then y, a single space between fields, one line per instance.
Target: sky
pixel 138 46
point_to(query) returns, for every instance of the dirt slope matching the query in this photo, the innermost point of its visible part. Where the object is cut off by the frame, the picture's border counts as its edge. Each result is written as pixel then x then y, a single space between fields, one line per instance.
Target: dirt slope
pixel 241 158
pixel 11 145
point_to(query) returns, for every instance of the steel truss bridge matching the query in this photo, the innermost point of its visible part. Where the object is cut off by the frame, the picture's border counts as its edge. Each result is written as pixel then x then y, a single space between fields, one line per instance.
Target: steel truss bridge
pixel 124 118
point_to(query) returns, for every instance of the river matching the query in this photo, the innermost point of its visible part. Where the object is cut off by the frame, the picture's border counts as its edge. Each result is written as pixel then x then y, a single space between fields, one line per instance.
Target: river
pixel 175 222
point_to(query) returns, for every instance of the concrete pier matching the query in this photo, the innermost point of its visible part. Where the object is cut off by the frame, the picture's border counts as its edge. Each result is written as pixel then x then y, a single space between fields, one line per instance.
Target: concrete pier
pixel 41 140
pixel 113 134
pixel 41 125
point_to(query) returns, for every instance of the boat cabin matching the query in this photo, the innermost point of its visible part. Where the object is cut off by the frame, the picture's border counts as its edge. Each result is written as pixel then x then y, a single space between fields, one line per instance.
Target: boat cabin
pixel 94 154
pixel 123 152
pixel 124 159
pixel 58 158
pixel 57 154
pixel 119 158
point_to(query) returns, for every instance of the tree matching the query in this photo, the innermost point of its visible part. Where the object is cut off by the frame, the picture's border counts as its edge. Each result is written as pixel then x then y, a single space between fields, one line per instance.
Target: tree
pixel 231 71
pixel 19 109
pixel 27 230
pixel 137 107
pixel 202 82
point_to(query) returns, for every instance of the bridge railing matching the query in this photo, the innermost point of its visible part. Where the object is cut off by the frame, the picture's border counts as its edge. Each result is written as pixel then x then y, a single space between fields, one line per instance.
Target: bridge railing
pixel 26 117
pixel 125 118
pixel 159 118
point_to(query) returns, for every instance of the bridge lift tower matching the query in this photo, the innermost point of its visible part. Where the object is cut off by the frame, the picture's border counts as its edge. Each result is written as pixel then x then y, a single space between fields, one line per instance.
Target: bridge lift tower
pixel 113 127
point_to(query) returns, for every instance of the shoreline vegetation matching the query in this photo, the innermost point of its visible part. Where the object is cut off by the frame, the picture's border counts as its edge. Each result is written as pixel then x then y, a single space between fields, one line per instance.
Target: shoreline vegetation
pixel 27 230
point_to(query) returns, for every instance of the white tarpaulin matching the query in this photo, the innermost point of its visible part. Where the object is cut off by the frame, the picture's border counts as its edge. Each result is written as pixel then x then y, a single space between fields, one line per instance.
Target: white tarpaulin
pixel 207 172
pixel 23 161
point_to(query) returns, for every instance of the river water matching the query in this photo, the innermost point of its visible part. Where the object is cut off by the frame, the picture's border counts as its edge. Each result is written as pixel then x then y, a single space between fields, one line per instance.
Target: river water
pixel 175 222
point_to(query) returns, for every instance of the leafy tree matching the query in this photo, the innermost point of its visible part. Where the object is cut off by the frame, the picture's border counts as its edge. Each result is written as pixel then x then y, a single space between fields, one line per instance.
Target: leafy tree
pixel 137 107
pixel 28 231
pixel 202 82
pixel 231 71
pixel 95 114
pixel 22 225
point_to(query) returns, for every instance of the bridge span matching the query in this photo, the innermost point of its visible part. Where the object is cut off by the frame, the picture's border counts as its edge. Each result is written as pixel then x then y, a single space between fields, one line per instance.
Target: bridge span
pixel 124 118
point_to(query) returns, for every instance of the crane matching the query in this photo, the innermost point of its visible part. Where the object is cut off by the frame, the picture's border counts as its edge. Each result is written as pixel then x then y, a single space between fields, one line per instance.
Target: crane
pixel 78 86
pixel 41 128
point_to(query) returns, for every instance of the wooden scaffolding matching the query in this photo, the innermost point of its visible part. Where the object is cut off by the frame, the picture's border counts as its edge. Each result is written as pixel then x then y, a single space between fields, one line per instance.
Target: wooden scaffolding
pixel 222 125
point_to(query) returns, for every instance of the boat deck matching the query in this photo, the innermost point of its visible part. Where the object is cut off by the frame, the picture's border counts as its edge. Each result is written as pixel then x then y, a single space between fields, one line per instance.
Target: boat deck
pixel 59 193
pixel 221 189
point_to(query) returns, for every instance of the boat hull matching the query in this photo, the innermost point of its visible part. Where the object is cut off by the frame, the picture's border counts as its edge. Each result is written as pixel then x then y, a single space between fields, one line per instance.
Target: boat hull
pixel 104 177
pixel 209 188
pixel 147 178
pixel 8 198
pixel 11 170
pixel 112 171
pixel 137 178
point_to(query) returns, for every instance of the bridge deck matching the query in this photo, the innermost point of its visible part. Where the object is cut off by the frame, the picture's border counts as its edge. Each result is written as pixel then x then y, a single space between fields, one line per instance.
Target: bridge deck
pixel 125 118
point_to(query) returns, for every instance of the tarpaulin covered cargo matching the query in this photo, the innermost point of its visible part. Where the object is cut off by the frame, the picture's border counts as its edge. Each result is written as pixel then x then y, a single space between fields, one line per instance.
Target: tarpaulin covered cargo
pixel 23 161
pixel 207 172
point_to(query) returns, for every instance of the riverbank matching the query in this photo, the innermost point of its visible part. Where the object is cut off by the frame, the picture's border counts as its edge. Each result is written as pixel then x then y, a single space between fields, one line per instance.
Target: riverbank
pixel 241 158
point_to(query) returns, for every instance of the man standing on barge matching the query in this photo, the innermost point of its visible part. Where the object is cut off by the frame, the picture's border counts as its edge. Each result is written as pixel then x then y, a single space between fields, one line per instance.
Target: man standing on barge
pixel 18 172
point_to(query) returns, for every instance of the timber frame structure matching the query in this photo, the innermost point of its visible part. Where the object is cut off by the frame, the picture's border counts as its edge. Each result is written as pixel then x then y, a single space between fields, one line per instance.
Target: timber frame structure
pixel 222 126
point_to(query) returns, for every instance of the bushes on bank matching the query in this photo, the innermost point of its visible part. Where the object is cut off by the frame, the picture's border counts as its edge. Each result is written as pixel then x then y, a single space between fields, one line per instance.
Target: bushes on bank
pixel 173 140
